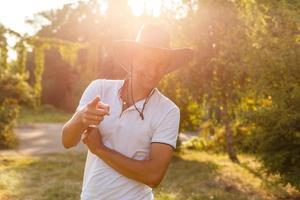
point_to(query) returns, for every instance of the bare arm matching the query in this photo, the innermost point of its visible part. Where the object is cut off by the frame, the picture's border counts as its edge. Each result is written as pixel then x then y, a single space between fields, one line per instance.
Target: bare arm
pixel 71 131
pixel 149 171
pixel 90 115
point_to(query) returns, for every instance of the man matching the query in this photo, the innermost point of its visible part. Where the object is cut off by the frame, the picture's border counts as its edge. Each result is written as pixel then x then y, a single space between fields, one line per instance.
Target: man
pixel 129 126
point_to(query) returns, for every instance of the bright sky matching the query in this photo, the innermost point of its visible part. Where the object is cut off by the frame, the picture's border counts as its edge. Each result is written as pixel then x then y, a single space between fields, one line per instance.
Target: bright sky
pixel 14 12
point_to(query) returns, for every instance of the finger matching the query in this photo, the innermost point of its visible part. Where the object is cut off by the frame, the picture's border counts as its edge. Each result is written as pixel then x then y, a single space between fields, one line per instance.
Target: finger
pixel 93 117
pixel 104 106
pixel 93 120
pixel 84 133
pixel 84 140
pixel 87 131
pixel 94 102
pixel 93 123
pixel 91 128
pixel 100 112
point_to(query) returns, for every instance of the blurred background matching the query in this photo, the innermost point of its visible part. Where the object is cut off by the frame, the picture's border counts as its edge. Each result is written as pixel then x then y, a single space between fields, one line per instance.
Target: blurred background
pixel 239 98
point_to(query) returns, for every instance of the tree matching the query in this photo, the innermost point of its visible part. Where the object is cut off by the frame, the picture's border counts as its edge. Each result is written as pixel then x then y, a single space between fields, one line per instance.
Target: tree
pixel 83 22
pixel 276 136
pixel 14 85
pixel 14 92
pixel 224 37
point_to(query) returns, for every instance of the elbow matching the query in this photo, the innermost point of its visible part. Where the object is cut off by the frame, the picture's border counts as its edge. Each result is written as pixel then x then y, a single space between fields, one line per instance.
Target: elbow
pixel 66 145
pixel 154 181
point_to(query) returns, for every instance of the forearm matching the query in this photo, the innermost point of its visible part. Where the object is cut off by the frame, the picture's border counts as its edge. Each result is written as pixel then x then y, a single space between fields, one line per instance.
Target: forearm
pixel 140 170
pixel 71 132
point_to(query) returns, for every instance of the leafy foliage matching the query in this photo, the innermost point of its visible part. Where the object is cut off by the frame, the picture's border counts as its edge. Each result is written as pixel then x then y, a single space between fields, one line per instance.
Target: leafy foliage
pixel 248 82
pixel 276 137
pixel 14 91
pixel 241 93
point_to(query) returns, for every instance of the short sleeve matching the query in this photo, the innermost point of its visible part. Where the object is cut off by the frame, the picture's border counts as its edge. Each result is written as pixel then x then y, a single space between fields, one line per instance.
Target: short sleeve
pixel 167 129
pixel 90 92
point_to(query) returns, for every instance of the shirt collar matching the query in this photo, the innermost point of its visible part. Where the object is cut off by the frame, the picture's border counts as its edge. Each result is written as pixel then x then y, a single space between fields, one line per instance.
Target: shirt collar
pixel 139 104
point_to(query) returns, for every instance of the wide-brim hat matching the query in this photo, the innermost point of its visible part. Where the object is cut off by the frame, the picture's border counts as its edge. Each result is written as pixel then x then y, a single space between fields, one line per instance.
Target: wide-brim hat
pixel 152 38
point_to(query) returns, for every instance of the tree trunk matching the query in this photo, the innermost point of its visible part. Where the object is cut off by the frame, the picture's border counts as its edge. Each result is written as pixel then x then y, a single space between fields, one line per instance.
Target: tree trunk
pixel 229 137
pixel 229 143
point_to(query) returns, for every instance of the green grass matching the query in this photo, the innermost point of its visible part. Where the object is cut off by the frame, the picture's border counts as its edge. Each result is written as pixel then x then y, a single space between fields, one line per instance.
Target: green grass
pixel 192 175
pixel 44 114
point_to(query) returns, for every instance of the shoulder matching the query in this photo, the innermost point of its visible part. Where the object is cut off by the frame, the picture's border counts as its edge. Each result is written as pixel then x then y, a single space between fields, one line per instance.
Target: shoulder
pixel 166 114
pixel 106 81
pixel 102 82
pixel 165 104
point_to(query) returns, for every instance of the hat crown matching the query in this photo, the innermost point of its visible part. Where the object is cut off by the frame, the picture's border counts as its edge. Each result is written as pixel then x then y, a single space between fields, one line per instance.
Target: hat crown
pixel 153 35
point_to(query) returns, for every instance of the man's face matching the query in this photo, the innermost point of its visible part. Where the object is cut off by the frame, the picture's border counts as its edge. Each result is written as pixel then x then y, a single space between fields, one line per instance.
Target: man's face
pixel 149 68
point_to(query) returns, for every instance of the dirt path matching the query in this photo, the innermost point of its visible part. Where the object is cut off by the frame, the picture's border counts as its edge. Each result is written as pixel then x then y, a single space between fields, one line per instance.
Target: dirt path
pixel 41 138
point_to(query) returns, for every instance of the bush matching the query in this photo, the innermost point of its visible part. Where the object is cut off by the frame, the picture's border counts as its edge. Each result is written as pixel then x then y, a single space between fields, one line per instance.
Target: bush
pixel 9 110
pixel 196 143
pixel 14 92
pixel 276 141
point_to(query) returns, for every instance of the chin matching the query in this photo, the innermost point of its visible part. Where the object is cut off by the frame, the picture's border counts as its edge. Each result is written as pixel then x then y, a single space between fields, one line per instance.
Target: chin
pixel 149 85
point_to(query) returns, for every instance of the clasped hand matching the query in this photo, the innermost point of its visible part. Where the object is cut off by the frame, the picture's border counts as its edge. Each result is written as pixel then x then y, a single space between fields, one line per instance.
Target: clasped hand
pixel 93 139
pixel 90 116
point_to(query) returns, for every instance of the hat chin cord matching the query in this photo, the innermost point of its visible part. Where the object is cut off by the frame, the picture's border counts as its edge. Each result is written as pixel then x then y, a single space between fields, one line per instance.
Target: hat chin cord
pixel 147 98
pixel 131 84
pixel 129 76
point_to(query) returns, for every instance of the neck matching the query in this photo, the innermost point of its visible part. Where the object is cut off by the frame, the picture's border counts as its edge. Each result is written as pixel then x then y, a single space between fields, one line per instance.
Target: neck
pixel 136 89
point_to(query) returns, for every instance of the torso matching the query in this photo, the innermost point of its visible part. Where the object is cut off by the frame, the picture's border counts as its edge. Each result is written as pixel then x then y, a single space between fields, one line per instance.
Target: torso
pixel 125 132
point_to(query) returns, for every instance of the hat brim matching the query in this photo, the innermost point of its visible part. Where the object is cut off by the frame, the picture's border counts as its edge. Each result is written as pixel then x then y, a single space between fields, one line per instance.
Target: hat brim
pixel 123 51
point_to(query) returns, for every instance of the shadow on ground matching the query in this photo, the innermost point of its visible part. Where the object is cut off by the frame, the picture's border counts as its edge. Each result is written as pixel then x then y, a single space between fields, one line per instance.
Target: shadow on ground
pixel 191 176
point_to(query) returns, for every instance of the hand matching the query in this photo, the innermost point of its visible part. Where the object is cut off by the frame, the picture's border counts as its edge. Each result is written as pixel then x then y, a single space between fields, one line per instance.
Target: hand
pixel 93 113
pixel 92 138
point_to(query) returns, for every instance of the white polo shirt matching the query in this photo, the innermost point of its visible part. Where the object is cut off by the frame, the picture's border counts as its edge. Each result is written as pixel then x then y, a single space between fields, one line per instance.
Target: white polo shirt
pixel 129 135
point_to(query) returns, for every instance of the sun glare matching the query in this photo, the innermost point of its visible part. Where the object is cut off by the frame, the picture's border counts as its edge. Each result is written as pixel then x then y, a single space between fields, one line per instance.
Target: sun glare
pixel 139 7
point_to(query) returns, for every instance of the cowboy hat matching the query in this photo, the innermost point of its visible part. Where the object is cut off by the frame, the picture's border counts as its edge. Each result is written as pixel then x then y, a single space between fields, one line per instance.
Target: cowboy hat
pixel 151 38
